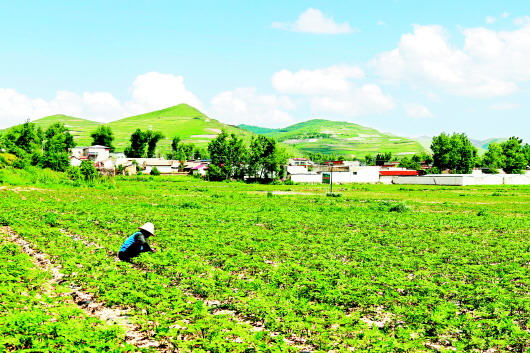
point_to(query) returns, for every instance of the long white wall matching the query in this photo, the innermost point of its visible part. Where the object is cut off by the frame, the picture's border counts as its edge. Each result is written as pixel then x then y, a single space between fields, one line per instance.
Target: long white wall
pixel 462 180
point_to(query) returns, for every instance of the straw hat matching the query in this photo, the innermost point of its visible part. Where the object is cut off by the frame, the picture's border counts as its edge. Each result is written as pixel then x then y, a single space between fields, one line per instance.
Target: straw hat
pixel 148 227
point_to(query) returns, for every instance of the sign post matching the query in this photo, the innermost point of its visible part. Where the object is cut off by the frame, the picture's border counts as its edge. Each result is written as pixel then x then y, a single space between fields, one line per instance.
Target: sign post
pixel 327 177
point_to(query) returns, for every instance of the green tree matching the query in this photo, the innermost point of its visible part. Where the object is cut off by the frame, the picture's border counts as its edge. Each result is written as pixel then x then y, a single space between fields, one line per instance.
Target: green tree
pixel 103 136
pixel 153 137
pixel 143 144
pixel 526 152
pixel 369 159
pixel 138 143
pixel 494 157
pixel 409 163
pixel 88 170
pixel 381 158
pixel 24 141
pixel 265 158
pixel 454 152
pixel 229 157
pixel 58 141
pixel 514 157
pixel 182 151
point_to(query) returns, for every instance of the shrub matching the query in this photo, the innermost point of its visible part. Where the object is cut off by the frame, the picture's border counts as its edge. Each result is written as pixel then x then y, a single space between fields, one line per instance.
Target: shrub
pixel 155 171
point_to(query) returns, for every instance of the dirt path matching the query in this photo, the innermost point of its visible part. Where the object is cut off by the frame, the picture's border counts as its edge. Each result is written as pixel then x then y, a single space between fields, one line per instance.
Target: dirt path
pixel 84 300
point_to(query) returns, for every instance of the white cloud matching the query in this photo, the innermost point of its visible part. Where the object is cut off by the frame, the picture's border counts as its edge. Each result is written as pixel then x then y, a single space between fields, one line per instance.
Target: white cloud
pixel 333 79
pixel 489 64
pixel 491 20
pixel 363 100
pixel 505 106
pixel 332 90
pixel 522 21
pixel 314 21
pixel 150 91
pixel 415 110
pixel 154 91
pixel 247 106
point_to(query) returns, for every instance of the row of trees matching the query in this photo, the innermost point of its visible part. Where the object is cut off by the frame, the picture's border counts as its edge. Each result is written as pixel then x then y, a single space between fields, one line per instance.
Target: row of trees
pixel 232 159
pixel 456 153
pixel 33 146
pixel 262 159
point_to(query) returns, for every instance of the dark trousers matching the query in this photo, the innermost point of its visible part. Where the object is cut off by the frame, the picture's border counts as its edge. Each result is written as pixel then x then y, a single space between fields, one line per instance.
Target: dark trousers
pixel 133 251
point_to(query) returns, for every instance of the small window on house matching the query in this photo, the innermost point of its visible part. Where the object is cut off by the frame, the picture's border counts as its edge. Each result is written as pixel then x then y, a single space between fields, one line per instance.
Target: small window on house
pixel 354 173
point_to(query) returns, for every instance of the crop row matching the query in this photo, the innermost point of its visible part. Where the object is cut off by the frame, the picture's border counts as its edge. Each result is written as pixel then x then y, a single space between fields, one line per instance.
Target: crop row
pixel 447 269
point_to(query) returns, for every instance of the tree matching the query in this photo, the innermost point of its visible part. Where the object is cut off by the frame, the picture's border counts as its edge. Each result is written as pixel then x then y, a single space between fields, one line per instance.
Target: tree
pixel 409 163
pixel 228 155
pixel 514 157
pixel 182 151
pixel 152 139
pixel 24 141
pixel 103 136
pixel 140 140
pixel 137 147
pixel 381 158
pixel 265 159
pixel 454 152
pixel 369 159
pixel 526 152
pixel 58 141
pixel 88 170
pixel 494 157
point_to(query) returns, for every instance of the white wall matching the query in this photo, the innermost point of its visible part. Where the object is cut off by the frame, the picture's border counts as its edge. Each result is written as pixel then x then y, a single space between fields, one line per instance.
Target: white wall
pixel 462 180
pixel 306 178
pixel 161 169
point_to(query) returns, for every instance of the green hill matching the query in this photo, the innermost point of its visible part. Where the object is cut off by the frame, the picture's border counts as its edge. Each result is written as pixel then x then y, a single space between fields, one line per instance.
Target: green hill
pixel 79 128
pixel 182 120
pixel 348 139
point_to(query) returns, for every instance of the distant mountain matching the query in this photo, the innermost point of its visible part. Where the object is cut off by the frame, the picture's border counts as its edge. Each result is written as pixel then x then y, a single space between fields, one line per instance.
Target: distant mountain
pixel 342 138
pixel 256 129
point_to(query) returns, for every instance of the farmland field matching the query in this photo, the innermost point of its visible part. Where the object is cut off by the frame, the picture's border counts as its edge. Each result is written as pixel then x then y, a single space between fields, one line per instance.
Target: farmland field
pixel 275 268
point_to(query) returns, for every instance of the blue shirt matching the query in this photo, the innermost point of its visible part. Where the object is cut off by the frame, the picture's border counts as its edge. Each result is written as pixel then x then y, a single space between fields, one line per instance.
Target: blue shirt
pixel 130 241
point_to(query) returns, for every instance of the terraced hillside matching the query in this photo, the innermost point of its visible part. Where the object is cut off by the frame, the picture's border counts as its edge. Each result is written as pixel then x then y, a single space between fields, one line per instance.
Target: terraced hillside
pixel 343 138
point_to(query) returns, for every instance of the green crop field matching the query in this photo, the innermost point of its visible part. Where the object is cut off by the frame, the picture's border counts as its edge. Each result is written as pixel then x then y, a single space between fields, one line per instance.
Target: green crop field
pixel 275 268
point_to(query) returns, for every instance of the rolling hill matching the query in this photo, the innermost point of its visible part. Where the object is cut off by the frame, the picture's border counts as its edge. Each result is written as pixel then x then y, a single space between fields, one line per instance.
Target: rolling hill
pixel 192 126
pixel 181 120
pixel 348 139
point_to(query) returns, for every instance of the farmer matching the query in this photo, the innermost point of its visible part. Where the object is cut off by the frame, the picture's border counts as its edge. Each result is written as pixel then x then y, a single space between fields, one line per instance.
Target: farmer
pixel 136 243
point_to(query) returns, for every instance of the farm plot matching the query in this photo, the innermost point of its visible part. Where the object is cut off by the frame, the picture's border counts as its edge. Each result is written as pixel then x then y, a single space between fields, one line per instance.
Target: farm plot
pixel 242 268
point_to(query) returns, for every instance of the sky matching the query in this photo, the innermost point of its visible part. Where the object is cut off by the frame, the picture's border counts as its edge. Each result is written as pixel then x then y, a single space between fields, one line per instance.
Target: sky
pixel 408 67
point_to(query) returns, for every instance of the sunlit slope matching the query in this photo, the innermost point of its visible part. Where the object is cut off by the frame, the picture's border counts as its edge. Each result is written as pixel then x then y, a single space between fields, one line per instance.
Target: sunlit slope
pixel 342 138
pixel 181 120
pixel 79 128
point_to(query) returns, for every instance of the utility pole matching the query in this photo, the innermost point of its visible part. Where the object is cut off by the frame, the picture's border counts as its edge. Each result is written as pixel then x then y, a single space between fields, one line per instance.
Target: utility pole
pixel 331 177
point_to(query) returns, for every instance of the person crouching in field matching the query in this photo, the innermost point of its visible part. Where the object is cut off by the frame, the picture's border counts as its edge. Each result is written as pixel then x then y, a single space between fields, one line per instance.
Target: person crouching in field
pixel 136 243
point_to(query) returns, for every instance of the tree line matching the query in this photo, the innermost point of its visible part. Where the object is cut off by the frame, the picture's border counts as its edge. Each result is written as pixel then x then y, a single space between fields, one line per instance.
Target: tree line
pixel 455 153
pixel 231 158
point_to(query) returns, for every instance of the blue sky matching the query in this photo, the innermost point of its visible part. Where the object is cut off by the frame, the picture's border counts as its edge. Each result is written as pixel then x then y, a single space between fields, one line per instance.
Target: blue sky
pixel 408 67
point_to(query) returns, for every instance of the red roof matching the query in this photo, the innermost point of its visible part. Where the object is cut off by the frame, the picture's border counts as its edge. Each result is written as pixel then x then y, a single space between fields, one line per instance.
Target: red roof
pixel 398 172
